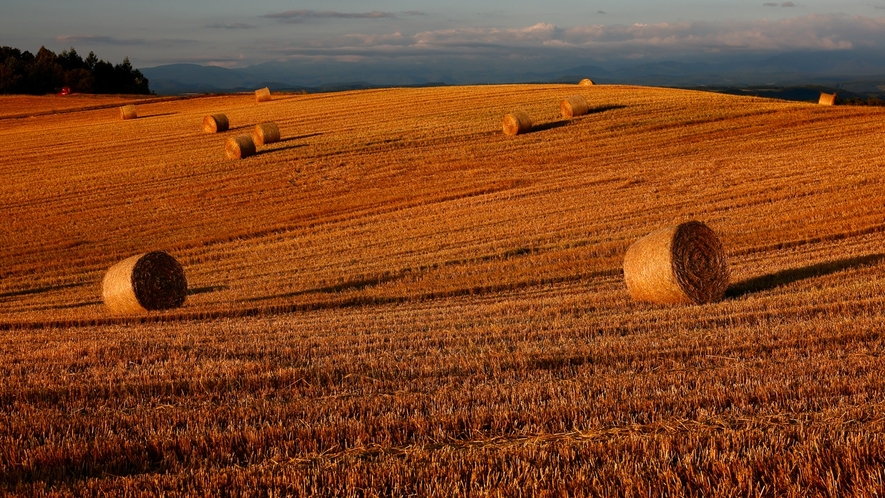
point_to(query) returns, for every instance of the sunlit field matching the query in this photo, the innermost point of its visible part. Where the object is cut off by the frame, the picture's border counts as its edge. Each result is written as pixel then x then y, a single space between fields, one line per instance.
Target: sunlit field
pixel 399 299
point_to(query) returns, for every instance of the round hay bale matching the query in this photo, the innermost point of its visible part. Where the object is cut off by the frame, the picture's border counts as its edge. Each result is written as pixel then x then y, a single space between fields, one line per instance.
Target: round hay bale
pixel 150 281
pixel 128 112
pixel 262 95
pixel 265 133
pixel 215 123
pixel 681 264
pixel 586 82
pixel 516 123
pixel 827 99
pixel 239 147
pixel 576 105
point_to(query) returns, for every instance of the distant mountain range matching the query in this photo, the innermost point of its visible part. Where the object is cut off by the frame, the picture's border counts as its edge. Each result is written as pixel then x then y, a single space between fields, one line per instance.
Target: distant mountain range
pixel 851 72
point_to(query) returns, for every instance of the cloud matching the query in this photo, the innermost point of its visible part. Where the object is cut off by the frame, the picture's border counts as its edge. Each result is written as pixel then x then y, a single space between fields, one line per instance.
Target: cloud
pixel 296 16
pixel 788 4
pixel 110 40
pixel 601 12
pixel 770 4
pixel 413 13
pixel 236 25
pixel 544 40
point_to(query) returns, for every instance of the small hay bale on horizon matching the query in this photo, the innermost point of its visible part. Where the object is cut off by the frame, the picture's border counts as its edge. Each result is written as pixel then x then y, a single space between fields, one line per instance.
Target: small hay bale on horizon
pixel 128 112
pixel 827 99
pixel 215 123
pixel 586 82
pixel 516 123
pixel 265 133
pixel 262 95
pixel 574 106
pixel 239 147
pixel 680 264
pixel 146 282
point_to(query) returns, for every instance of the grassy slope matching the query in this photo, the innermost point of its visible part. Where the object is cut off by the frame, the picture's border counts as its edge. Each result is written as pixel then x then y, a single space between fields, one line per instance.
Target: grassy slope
pixel 458 318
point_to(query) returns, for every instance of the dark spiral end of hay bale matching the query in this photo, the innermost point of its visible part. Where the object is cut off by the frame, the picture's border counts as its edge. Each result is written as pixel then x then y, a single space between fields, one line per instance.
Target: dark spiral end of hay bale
pixel 239 147
pixel 266 133
pixel 517 123
pixel 682 264
pixel 147 282
pixel 128 112
pixel 215 123
pixel 586 82
pixel 576 105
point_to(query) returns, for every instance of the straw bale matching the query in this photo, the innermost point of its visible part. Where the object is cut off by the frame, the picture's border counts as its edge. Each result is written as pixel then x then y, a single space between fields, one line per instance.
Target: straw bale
pixel 516 123
pixel 215 123
pixel 827 99
pixel 239 147
pixel 586 82
pixel 262 95
pixel 574 106
pixel 266 133
pixel 146 282
pixel 128 112
pixel 681 264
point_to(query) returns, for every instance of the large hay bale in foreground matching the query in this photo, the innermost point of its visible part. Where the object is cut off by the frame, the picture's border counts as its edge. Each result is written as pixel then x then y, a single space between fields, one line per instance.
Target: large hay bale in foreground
pixel 586 82
pixel 262 95
pixel 681 264
pixel 516 123
pixel 215 123
pixel 128 112
pixel 574 106
pixel 266 133
pixel 150 281
pixel 239 147
pixel 827 99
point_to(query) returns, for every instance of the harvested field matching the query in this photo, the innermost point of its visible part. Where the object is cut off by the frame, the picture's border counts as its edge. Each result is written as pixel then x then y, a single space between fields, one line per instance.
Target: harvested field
pixel 427 306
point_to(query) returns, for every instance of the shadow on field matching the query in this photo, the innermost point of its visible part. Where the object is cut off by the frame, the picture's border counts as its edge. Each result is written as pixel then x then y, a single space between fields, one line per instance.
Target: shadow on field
pixel 549 126
pixel 784 277
pixel 148 116
pixel 38 290
pixel 336 288
pixel 301 137
pixel 207 289
pixel 604 108
pixel 278 149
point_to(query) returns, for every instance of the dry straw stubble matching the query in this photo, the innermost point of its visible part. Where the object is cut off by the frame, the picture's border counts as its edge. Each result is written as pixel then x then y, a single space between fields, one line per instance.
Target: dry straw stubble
pixel 262 95
pixel 150 281
pixel 681 264
pixel 827 99
pixel 128 112
pixel 516 123
pixel 215 123
pixel 239 147
pixel 266 133
pixel 576 105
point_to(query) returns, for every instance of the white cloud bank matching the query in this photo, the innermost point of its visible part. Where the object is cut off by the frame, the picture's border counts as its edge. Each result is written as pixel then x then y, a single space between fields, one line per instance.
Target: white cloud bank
pixel 807 33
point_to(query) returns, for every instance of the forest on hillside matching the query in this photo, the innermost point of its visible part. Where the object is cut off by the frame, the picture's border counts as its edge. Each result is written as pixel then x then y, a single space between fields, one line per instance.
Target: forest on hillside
pixel 44 73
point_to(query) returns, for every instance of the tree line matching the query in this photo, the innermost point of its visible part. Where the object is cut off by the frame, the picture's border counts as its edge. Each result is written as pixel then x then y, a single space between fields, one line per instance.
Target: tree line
pixel 46 72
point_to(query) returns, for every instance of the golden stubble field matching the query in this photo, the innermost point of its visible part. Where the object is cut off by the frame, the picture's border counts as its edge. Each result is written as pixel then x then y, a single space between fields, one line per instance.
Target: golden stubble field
pixel 398 299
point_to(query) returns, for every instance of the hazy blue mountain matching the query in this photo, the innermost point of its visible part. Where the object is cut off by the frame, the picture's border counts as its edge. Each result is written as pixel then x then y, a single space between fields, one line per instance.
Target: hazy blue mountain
pixel 857 71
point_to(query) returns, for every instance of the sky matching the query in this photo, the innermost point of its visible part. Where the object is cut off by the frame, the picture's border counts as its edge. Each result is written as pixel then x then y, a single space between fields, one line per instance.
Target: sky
pixel 238 33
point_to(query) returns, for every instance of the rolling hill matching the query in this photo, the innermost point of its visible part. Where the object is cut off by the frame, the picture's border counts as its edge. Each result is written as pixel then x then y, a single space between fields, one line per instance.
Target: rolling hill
pixel 397 298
